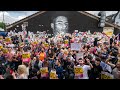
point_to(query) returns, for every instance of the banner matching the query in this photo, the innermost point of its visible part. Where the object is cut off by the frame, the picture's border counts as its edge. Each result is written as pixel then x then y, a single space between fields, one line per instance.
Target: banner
pixel 106 75
pixel 53 74
pixel 108 31
pixel 44 71
pixel 78 70
pixel 75 46
pixel 27 55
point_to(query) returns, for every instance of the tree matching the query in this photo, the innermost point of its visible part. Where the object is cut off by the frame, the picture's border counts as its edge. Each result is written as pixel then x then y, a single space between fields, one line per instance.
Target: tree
pixel 2 25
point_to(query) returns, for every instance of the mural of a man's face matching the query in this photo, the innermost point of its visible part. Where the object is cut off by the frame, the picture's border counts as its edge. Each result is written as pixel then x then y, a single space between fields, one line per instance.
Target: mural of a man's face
pixel 60 25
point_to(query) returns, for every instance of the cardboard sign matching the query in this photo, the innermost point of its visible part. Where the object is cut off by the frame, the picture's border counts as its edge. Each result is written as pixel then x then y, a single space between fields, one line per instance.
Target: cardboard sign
pixel 78 70
pixel 27 55
pixel 53 74
pixel 79 55
pixel 106 75
pixel 44 71
pixel 75 46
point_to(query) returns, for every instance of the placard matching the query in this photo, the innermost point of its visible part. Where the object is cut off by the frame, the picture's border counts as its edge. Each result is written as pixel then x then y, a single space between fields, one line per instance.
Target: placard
pixel 44 71
pixel 108 31
pixel 8 39
pixel 106 75
pixel 1 46
pixel 53 74
pixel 75 46
pixel 27 55
pixel 78 70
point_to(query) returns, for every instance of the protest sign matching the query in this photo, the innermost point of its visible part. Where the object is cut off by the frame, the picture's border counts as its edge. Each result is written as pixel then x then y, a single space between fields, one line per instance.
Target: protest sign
pixel 53 74
pixel 1 37
pixel 5 50
pixel 106 75
pixel 1 47
pixel 79 55
pixel 27 55
pixel 108 31
pixel 75 46
pixel 44 71
pixel 78 70
pixel 7 39
pixel 66 41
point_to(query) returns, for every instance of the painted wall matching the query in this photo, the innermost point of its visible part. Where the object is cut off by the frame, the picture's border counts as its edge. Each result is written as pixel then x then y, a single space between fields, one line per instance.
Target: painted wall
pixel 75 20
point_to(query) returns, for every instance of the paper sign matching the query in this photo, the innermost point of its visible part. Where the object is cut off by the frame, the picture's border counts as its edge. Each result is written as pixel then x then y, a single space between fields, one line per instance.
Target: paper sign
pixel 66 41
pixel 75 46
pixel 24 56
pixel 7 39
pixel 106 75
pixel 46 44
pixel 53 74
pixel 5 50
pixel 44 71
pixel 1 38
pixel 79 55
pixel 1 46
pixel 108 31
pixel 78 70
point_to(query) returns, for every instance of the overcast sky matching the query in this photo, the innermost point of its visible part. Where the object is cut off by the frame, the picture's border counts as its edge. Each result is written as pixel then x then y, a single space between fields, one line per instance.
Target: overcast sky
pixel 12 16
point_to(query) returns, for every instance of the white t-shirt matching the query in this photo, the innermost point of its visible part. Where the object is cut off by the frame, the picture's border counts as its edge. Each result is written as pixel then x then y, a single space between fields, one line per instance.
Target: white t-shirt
pixel 85 72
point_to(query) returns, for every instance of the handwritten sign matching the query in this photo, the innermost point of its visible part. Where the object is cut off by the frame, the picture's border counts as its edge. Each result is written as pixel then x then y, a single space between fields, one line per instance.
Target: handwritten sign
pixel 78 70
pixel 44 71
pixel 53 74
pixel 106 75
pixel 27 55
pixel 75 46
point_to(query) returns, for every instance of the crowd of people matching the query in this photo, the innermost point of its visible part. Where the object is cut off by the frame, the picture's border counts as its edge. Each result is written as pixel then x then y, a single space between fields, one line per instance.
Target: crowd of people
pixel 80 55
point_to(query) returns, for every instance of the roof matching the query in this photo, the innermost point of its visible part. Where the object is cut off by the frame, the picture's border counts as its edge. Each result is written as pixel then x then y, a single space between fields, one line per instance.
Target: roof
pixel 41 12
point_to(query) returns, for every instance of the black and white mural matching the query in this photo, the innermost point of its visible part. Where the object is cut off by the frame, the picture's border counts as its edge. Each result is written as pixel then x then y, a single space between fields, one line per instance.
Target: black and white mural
pixel 60 25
